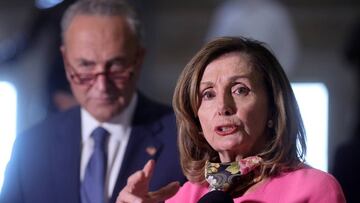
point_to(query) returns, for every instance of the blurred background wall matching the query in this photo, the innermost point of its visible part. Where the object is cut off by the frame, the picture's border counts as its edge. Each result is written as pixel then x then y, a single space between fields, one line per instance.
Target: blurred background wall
pixel 175 31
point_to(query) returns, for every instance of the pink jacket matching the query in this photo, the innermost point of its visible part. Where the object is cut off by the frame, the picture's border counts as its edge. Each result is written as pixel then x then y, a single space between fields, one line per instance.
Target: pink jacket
pixel 303 185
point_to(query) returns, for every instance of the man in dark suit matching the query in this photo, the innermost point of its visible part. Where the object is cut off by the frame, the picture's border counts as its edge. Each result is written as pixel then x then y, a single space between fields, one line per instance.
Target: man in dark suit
pixel 87 153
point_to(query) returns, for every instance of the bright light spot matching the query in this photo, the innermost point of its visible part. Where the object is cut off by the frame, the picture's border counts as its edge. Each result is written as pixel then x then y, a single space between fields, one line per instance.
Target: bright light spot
pixel 313 100
pixel 44 4
pixel 7 125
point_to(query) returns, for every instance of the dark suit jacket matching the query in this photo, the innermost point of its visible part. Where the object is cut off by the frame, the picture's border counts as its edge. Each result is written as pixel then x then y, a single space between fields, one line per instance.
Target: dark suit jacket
pixel 45 164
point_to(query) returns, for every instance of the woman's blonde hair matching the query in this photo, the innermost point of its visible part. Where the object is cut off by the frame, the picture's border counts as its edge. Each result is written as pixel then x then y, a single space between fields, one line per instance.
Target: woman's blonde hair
pixel 286 147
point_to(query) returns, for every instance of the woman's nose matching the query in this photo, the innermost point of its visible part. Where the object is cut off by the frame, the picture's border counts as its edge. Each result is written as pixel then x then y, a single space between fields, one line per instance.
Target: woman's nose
pixel 225 111
pixel 225 105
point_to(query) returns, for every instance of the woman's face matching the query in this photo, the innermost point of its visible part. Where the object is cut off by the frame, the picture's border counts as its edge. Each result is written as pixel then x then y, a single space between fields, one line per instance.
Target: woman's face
pixel 234 107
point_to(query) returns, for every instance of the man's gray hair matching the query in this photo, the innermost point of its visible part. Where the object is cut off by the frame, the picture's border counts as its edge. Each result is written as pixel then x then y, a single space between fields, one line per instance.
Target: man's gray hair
pixel 102 8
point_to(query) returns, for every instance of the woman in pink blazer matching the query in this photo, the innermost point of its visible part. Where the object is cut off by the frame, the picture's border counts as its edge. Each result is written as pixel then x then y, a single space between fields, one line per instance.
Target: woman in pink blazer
pixel 240 133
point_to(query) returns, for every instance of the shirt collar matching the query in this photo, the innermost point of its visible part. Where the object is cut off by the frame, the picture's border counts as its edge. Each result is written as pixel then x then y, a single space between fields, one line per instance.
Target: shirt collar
pixel 115 126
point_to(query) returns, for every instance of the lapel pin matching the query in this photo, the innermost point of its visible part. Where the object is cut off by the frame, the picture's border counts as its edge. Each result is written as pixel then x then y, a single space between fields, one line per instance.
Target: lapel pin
pixel 151 151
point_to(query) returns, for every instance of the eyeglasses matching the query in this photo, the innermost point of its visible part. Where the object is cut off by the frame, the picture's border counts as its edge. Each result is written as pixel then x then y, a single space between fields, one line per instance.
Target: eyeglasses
pixel 90 78
pixel 124 73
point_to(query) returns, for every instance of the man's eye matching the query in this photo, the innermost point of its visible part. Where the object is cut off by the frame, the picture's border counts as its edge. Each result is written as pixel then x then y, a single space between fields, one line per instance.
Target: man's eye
pixel 86 65
pixel 86 76
pixel 117 66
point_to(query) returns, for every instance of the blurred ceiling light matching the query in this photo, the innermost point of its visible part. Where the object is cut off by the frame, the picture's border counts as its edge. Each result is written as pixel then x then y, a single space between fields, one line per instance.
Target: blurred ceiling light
pixel 44 4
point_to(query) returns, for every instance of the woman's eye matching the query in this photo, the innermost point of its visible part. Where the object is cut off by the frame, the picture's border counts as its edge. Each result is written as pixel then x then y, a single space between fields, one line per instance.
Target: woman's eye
pixel 241 90
pixel 207 95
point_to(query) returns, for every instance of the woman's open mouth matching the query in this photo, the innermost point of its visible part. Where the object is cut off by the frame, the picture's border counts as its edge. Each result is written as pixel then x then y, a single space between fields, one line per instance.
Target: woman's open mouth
pixel 225 130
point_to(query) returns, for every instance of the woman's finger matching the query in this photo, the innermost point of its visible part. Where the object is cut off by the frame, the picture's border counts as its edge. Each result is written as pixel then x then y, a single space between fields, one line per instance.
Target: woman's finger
pixel 137 187
pixel 138 183
pixel 135 181
pixel 148 169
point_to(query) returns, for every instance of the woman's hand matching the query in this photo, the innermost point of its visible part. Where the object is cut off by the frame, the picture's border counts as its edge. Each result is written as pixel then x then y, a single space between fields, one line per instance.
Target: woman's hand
pixel 137 188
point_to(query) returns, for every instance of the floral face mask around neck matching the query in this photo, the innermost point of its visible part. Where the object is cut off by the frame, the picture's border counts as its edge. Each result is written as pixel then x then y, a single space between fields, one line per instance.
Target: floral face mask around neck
pixel 233 177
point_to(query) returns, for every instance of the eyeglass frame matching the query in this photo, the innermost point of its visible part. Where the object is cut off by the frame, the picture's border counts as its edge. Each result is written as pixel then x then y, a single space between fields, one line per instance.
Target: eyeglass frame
pixel 76 76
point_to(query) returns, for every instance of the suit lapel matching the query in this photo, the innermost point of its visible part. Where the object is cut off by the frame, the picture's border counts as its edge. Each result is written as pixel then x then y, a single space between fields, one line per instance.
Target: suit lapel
pixel 66 157
pixel 142 146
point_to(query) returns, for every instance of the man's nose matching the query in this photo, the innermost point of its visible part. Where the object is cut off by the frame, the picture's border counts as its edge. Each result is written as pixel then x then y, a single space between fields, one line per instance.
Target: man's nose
pixel 102 82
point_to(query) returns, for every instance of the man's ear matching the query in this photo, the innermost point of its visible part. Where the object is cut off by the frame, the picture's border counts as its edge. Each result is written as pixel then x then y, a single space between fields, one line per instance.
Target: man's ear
pixel 141 55
pixel 62 50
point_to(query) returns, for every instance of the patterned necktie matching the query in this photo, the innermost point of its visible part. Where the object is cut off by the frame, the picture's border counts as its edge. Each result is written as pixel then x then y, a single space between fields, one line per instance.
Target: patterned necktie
pixel 93 185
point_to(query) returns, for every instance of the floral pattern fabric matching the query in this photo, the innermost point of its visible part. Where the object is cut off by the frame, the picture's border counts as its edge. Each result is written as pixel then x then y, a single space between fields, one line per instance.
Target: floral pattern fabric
pixel 232 177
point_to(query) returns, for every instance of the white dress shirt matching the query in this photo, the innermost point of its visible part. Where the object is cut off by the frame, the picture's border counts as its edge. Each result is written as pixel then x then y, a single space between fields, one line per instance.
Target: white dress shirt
pixel 119 128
